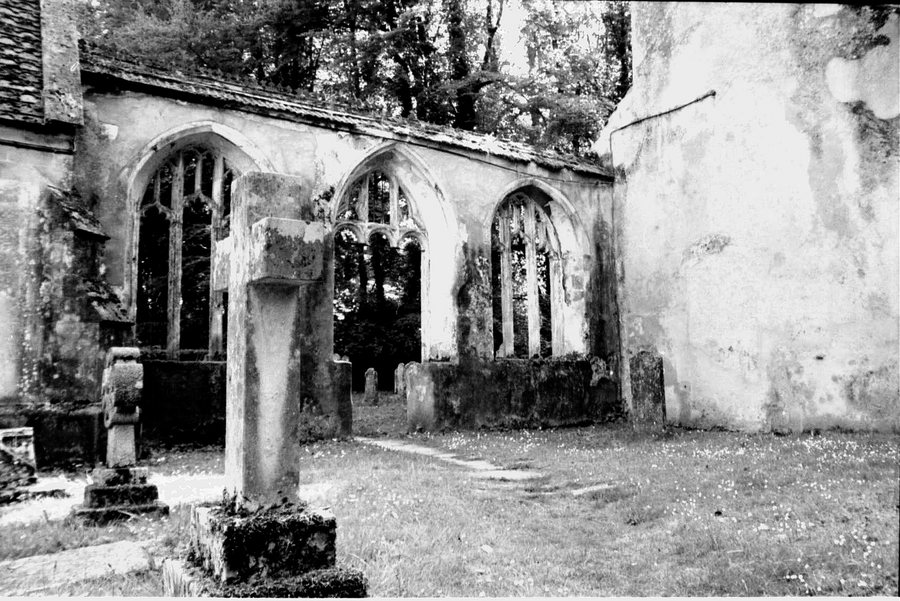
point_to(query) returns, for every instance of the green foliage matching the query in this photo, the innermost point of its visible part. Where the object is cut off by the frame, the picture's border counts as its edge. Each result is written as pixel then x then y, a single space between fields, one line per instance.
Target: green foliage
pixel 433 60
pixel 377 324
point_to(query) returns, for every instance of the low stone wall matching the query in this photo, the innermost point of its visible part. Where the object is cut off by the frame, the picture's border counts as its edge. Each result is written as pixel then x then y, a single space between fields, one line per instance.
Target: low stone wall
pixel 509 393
pixel 67 436
pixel 184 402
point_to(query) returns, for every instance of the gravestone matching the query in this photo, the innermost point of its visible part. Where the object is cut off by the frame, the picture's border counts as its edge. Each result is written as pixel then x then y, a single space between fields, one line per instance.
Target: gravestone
pixel 282 376
pixel 371 394
pixel 400 379
pixel 120 490
pixel 648 392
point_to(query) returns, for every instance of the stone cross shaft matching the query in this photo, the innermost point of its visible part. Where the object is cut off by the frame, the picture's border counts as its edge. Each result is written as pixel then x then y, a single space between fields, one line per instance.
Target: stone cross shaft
pixel 123 382
pixel 274 267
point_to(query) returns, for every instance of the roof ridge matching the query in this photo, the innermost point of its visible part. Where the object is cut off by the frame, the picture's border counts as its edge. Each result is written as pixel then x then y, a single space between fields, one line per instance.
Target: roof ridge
pixel 216 75
pixel 118 59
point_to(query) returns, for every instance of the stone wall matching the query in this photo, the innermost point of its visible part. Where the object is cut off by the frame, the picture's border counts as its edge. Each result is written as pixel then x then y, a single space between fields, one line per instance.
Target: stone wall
pixel 511 393
pixel 183 402
pixel 105 134
pixel 29 163
pixel 454 192
pixel 756 205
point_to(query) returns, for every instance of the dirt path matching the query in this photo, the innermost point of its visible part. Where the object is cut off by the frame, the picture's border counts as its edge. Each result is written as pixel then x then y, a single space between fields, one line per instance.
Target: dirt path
pixel 482 468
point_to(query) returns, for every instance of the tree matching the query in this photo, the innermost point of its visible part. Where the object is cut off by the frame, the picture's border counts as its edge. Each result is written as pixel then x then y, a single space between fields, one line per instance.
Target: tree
pixel 434 60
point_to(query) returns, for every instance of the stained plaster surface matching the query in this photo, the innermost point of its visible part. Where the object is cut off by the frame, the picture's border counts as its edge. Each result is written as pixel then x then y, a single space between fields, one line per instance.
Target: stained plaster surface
pixel 757 228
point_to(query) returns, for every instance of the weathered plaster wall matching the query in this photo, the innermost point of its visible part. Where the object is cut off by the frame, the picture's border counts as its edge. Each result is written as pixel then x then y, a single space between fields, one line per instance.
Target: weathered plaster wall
pixel 454 192
pixel 757 228
pixel 29 163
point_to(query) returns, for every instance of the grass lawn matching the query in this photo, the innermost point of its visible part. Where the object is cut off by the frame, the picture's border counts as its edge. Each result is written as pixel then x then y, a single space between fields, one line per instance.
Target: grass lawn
pixel 692 513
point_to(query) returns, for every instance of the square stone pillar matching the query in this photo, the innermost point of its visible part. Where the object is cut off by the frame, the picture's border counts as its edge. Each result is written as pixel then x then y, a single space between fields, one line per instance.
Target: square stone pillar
pixel 280 334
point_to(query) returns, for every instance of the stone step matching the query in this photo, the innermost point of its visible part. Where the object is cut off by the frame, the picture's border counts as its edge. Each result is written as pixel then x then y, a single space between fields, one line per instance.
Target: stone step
pixel 104 515
pixel 180 579
pixel 96 496
pixel 117 476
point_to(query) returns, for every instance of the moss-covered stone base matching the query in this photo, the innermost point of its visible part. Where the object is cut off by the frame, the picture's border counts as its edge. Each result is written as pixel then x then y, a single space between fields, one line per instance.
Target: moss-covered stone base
pixel 118 494
pixel 233 545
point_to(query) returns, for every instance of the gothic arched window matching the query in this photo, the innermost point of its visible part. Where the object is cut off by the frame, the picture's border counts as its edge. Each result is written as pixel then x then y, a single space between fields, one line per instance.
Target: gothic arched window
pixel 526 277
pixel 379 266
pixel 183 212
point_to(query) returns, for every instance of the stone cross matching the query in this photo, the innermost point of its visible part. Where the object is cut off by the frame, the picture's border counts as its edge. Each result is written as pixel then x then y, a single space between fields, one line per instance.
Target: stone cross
pixel 278 270
pixel 371 386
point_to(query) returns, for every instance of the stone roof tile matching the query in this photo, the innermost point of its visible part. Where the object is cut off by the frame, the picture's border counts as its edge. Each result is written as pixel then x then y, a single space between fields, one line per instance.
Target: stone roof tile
pixel 216 89
pixel 21 67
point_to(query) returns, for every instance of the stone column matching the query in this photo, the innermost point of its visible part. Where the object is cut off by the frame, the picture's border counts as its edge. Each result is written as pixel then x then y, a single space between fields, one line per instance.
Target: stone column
pixel 276 264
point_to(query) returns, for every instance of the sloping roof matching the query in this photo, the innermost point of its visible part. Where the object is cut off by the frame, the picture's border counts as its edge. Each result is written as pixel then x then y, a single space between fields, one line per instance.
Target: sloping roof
pixel 214 89
pixel 21 65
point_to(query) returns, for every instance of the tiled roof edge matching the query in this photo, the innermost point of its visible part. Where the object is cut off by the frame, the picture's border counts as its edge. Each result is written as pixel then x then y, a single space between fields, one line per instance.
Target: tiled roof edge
pixel 219 88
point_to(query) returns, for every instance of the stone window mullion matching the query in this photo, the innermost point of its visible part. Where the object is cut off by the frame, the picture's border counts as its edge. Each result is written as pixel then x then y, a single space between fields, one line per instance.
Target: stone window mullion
pixel 173 338
pixel 395 205
pixel 531 283
pixel 216 233
pixel 506 298
pixel 362 210
pixel 557 301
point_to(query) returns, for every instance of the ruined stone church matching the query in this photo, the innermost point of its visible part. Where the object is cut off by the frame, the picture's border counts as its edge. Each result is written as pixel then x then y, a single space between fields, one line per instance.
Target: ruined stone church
pixel 729 258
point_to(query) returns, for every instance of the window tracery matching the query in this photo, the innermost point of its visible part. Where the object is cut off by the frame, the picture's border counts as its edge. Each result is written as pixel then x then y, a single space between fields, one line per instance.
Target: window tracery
pixel 526 278
pixel 376 202
pixel 185 209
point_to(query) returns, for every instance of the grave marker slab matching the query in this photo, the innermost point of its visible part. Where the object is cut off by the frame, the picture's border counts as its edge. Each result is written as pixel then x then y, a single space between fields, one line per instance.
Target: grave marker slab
pixel 648 391
pixel 400 379
pixel 371 393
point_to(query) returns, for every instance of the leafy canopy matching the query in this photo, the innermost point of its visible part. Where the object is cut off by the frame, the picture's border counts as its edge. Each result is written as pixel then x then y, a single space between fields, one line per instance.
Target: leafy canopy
pixel 552 81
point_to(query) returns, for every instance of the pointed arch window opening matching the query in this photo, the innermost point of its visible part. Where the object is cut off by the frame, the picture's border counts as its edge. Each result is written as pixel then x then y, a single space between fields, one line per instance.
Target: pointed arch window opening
pixel 185 209
pixel 527 279
pixel 380 258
